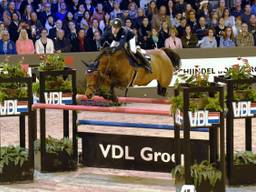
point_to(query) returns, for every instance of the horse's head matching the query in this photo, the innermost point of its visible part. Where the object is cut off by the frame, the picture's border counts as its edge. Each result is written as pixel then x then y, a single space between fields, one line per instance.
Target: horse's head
pixel 92 78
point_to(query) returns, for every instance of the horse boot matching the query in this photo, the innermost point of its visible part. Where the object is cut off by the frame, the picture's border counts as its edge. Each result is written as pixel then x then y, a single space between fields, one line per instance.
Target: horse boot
pixel 144 61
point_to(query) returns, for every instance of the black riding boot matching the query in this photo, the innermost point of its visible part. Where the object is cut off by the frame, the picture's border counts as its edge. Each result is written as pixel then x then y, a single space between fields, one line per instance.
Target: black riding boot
pixel 144 61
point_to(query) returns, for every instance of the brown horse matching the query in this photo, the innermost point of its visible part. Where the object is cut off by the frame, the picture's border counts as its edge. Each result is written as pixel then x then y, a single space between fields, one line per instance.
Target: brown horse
pixel 113 70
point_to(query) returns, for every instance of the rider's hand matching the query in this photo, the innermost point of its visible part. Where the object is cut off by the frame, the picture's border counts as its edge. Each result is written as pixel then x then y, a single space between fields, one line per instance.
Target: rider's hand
pixel 113 50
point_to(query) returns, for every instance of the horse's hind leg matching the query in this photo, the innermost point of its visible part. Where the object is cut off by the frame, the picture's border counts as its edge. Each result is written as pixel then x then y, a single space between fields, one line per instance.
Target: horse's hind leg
pixel 161 90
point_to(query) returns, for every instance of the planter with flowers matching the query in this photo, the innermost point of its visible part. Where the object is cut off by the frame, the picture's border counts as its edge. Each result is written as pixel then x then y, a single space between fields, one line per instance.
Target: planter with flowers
pixel 200 104
pixel 16 162
pixel 241 97
pixel 57 85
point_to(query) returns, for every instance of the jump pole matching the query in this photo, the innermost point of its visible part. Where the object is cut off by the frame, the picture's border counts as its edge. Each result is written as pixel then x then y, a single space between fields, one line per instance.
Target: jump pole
pixel 103 109
pixel 129 100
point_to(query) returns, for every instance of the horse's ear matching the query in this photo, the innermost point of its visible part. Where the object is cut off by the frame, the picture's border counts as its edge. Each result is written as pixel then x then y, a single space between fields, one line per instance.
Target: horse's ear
pixel 86 64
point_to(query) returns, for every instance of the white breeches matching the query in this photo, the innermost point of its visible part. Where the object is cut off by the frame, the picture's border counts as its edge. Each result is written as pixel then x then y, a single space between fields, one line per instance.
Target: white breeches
pixel 132 44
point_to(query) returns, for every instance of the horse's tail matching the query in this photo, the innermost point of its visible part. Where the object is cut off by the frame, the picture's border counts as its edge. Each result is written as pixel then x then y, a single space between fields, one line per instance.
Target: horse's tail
pixel 174 57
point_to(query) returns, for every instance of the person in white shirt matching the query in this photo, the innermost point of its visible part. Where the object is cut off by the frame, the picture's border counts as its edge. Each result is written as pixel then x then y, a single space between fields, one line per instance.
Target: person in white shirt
pixel 44 45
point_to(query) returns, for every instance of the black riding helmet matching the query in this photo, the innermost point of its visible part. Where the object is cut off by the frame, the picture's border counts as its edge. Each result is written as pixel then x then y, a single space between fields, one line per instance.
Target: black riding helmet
pixel 117 23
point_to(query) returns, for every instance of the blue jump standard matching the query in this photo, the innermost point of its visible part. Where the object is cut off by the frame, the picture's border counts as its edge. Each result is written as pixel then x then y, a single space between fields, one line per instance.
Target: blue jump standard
pixel 135 125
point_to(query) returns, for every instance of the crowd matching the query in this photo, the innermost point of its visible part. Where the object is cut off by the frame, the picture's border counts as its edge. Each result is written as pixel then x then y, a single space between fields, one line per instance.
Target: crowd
pixel 49 26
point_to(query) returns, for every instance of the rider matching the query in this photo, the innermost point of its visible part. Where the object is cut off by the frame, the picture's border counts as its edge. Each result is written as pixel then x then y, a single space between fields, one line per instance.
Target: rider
pixel 117 37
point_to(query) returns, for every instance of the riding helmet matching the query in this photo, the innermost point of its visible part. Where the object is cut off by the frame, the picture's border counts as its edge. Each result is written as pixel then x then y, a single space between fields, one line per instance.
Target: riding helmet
pixel 117 23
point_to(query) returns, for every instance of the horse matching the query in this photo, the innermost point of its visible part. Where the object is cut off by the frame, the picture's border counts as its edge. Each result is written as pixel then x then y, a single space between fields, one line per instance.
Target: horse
pixel 113 70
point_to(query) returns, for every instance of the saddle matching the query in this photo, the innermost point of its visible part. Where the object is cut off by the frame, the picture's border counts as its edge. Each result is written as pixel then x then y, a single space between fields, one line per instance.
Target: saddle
pixel 139 59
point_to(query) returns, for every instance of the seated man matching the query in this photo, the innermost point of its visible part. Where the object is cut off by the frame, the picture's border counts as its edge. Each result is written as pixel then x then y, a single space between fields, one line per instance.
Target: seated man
pixel 117 36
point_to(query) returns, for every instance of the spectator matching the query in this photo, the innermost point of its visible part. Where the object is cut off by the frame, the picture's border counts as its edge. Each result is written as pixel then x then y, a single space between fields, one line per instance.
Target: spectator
pixel 237 9
pixel 99 13
pixel 188 9
pixel 27 14
pixel 144 33
pixel 245 38
pixel 229 21
pixel 214 19
pixel 14 27
pixel 88 6
pixel 252 24
pixel 173 41
pixel 53 31
pixel 81 41
pixel 162 16
pixel 117 12
pixel 152 10
pixel 43 15
pixel 35 26
pixel 208 41
pixel 94 44
pixel 144 3
pixel 7 46
pixel 128 23
pixel 176 21
pixel 180 7
pixel 163 33
pixel 247 13
pixel 80 13
pixel 72 34
pixel 44 45
pixel 204 11
pixel 171 9
pixel 133 10
pixel 61 14
pixel 2 28
pixel 69 17
pixel 228 39
pixel 73 6
pixel 93 29
pixel 189 40
pixel 220 30
pixel 153 42
pixel 61 43
pixel 181 28
pixel 254 7
pixel 50 23
pixel 138 21
pixel 7 14
pixel 24 45
pixel 221 7
pixel 85 22
pixel 192 20
pixel 24 3
pixel 202 28
pixel 108 6
pixel 105 22
pixel 238 26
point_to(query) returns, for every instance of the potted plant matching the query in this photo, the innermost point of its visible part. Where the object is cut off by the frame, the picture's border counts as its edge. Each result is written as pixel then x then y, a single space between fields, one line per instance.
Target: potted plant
pixel 14 164
pixel 59 155
pixel 199 100
pixel 53 62
pixel 12 71
pixel 238 72
pixel 205 176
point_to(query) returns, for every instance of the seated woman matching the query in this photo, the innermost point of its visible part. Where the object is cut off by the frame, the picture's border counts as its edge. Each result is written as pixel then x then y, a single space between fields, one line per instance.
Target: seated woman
pixel 189 40
pixel 44 44
pixel 24 45
pixel 228 39
pixel 173 41
pixel 208 41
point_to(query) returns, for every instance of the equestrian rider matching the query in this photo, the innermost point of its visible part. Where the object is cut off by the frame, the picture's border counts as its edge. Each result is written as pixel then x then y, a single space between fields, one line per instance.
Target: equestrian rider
pixel 118 37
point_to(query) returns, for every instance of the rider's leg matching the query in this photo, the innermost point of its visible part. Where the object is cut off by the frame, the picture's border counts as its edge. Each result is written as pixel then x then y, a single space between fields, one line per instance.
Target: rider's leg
pixel 133 48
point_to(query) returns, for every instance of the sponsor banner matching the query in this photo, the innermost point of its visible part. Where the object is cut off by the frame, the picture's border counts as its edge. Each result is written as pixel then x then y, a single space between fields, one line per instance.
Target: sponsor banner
pixel 135 152
pixel 212 66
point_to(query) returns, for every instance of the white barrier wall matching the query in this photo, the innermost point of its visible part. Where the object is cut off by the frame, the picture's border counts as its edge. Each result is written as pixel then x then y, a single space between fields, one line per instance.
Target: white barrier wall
pixel 212 66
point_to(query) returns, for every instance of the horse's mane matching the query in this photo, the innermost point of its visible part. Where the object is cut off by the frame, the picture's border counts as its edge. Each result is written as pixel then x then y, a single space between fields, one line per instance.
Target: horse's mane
pixel 108 51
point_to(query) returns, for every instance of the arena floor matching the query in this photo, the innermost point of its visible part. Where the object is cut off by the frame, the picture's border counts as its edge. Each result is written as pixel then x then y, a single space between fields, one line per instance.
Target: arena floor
pixel 107 180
